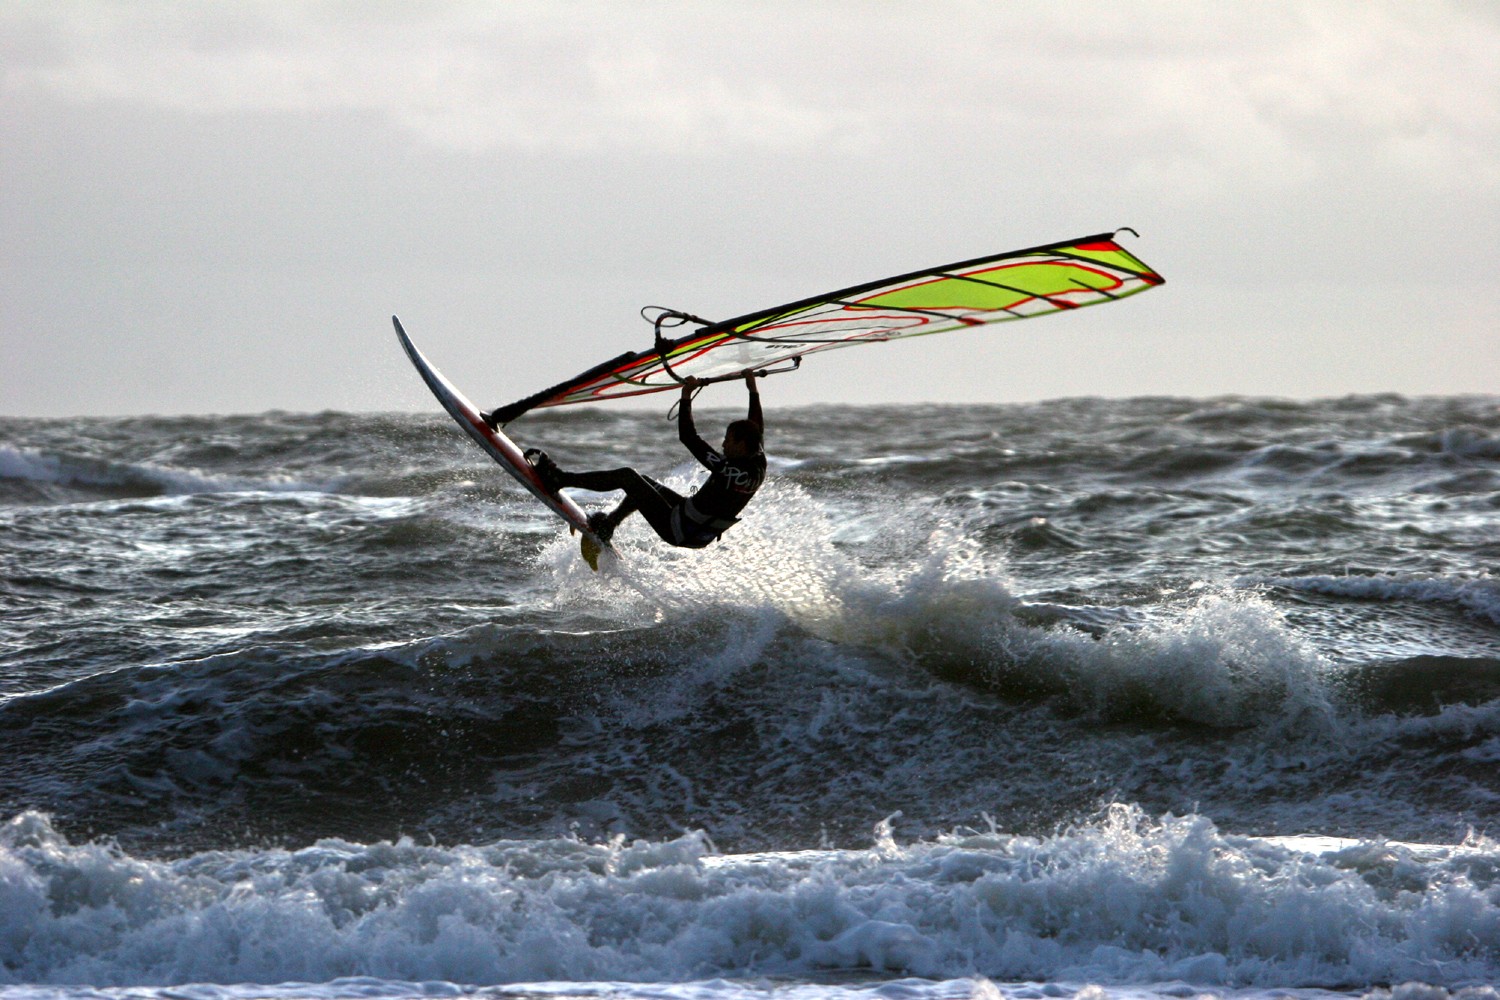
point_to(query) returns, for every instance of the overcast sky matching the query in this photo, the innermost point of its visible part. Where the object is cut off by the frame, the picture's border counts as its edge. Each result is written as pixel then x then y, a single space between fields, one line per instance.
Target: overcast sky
pixel 216 207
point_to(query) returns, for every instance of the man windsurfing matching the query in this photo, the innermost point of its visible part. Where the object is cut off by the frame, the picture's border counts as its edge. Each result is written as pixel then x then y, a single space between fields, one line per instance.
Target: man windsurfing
pixel 693 521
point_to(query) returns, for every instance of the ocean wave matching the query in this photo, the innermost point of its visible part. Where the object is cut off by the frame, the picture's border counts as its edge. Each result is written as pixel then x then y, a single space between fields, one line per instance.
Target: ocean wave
pixel 1478 597
pixel 1123 899
pixel 932 593
pixel 762 727
pixel 1423 685
pixel 1020 620
pixel 1467 442
pixel 91 477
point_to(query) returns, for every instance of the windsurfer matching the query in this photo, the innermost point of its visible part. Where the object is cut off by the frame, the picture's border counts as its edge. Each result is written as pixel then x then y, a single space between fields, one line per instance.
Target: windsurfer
pixel 690 522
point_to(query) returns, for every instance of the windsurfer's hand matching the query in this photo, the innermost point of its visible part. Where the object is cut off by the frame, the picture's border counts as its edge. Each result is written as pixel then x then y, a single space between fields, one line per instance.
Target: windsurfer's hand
pixel 689 384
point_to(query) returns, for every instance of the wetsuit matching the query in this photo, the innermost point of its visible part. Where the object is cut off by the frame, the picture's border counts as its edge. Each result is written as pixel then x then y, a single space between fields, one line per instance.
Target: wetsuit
pixel 690 522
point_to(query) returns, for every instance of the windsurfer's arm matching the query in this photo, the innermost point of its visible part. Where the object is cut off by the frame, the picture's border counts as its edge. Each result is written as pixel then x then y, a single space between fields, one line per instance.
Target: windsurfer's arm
pixel 754 415
pixel 686 432
pixel 685 429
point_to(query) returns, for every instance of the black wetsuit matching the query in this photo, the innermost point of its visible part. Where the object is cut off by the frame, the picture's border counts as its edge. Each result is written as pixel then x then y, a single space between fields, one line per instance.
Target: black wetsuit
pixel 691 522
pixel 731 482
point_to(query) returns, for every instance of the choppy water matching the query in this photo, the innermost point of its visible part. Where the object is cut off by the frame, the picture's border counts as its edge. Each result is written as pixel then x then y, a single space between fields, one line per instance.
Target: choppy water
pixel 1027 701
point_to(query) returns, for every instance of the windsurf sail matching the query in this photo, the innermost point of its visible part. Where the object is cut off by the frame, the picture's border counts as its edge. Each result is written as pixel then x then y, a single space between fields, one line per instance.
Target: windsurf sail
pixel 1007 286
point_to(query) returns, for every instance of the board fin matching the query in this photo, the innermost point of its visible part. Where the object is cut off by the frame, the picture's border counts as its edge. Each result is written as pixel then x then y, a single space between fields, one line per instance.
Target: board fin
pixel 590 550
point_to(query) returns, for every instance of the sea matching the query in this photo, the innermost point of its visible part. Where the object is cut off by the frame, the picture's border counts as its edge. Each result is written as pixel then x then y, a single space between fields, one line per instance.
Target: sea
pixel 1084 698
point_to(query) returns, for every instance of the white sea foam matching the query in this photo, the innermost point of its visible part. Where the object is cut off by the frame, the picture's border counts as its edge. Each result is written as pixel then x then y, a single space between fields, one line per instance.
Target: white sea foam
pixel 1126 901
pixel 968 988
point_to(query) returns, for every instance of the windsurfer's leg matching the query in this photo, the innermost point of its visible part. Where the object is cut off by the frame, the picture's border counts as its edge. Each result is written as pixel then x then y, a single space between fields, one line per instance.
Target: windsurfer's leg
pixel 623 510
pixel 604 523
pixel 603 481
pixel 654 501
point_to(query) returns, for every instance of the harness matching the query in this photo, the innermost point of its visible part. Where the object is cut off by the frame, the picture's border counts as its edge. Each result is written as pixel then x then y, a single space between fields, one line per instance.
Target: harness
pixel 696 529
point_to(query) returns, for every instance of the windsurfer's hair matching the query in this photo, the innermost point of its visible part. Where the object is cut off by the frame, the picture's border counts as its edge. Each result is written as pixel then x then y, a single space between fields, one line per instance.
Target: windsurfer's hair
pixel 746 432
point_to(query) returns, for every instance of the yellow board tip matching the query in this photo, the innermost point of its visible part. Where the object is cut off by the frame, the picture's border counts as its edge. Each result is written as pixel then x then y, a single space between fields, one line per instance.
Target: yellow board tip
pixel 590 550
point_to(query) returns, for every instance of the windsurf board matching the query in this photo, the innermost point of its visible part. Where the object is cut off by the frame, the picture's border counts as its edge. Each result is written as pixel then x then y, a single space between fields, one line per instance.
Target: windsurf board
pixel 501 448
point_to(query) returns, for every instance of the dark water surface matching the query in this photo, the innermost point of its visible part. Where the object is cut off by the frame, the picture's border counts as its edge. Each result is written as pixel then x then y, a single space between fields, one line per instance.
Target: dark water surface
pixel 998 689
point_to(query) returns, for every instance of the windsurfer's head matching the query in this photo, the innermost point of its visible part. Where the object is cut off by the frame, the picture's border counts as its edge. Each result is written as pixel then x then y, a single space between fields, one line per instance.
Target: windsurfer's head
pixel 742 439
